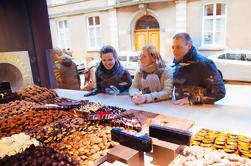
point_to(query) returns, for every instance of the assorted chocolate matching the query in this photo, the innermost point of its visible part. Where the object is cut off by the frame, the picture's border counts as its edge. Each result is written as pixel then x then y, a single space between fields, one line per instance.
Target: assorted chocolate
pixel 88 145
pixel 35 156
pixel 13 108
pixel 228 142
pixel 37 94
pixel 30 121
pixel 6 95
pixel 17 143
pixel 55 132
pixel 195 155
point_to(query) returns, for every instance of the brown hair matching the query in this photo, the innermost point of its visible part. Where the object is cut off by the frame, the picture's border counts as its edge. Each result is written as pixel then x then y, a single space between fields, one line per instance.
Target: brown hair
pixel 152 50
pixel 109 49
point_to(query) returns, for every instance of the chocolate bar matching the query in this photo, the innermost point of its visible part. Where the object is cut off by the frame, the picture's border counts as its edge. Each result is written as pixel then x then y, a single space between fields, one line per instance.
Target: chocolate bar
pixel 132 140
pixel 177 136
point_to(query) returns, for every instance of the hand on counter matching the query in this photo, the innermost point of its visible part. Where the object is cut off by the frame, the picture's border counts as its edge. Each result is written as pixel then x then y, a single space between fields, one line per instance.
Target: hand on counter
pixel 139 98
pixel 183 101
pixel 92 93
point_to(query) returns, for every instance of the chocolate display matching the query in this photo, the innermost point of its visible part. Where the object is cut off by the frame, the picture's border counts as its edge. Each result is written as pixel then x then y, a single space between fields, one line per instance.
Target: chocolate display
pixel 6 97
pixel 177 136
pixel 17 143
pixel 228 142
pixel 112 109
pixel 5 86
pixel 196 155
pixel 132 140
pixel 37 94
pixel 55 132
pixel 14 108
pixel 30 121
pixel 36 156
pixel 88 145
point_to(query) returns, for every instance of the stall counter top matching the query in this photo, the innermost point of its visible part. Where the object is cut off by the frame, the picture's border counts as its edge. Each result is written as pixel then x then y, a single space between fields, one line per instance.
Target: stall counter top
pixel 231 114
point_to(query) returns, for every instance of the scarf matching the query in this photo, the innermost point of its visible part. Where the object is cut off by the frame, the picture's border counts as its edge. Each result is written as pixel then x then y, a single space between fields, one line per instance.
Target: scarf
pixel 109 74
pixel 151 78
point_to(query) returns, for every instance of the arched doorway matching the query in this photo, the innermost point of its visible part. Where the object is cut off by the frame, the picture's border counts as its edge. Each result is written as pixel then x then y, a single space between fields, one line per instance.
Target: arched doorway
pixel 147 32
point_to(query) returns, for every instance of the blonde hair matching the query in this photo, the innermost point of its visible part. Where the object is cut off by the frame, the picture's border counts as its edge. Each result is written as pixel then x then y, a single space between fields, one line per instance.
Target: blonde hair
pixel 152 50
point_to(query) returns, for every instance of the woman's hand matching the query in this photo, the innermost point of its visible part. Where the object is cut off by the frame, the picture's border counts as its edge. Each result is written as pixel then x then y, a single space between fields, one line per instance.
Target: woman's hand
pixel 139 98
pixel 183 101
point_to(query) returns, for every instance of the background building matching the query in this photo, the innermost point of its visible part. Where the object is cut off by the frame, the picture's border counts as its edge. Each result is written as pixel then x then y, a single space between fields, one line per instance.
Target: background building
pixel 86 25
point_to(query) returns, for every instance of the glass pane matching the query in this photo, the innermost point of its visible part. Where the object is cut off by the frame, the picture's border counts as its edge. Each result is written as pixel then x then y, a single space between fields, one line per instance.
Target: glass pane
pixel 133 58
pixel 220 24
pixel 248 57
pixel 222 56
pixel 209 10
pixel 208 38
pixel 219 38
pixel 98 37
pixel 65 24
pixel 92 39
pixel 234 56
pixel 147 22
pixel 220 9
pixel 122 58
pixel 90 19
pixel 60 24
pixel 208 25
pixel 97 20
pixel 67 39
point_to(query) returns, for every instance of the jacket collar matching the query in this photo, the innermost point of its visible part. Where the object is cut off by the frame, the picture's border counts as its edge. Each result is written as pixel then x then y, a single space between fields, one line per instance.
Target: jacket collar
pixel 188 58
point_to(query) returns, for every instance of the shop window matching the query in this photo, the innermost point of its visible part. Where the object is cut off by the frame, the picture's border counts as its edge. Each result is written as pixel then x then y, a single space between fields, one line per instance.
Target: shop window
pixel 94 32
pixel 63 34
pixel 214 24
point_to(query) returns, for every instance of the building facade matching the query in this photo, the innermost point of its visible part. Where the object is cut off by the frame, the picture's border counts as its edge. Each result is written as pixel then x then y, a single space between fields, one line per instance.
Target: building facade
pixel 85 26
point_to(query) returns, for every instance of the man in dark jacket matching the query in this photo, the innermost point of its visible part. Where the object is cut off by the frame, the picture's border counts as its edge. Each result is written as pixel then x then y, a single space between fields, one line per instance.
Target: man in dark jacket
pixel 196 78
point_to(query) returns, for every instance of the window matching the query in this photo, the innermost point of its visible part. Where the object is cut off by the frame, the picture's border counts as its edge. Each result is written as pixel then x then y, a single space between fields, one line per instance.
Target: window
pixel 134 58
pixel 248 57
pixel 94 32
pixel 235 56
pixel 221 56
pixel 63 34
pixel 122 58
pixel 214 24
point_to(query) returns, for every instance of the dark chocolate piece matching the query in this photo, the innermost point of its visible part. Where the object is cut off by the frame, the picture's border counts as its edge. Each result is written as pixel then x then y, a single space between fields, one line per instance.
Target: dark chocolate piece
pixel 132 140
pixel 177 136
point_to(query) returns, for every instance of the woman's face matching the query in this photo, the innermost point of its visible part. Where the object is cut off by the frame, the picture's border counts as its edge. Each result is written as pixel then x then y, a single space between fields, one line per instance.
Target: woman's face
pixel 145 58
pixel 108 60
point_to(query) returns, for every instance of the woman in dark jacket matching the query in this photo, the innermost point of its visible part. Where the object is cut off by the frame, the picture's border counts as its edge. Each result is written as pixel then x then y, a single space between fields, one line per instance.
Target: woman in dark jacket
pixel 111 77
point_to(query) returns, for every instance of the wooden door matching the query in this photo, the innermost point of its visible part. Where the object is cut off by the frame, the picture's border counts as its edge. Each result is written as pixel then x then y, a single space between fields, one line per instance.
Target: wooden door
pixel 148 36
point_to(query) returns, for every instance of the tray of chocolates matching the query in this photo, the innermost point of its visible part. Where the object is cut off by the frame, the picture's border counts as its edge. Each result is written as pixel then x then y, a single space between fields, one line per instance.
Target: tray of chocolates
pixel 39 155
pixel 228 142
pixel 30 121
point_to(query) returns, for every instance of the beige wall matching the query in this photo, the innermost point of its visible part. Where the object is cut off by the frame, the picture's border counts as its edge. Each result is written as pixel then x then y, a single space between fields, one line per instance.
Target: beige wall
pixel 237 32
pixel 163 12
pixel 239 25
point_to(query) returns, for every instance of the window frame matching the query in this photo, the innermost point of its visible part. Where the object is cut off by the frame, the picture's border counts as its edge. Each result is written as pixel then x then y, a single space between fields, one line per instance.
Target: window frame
pixel 96 47
pixel 65 31
pixel 214 17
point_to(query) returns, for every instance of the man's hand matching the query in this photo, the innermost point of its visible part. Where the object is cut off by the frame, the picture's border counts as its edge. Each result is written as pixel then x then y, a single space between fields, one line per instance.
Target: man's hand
pixel 139 98
pixel 183 101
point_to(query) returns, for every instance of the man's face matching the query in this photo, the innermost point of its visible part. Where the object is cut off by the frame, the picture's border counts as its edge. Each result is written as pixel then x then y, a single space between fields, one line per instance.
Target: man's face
pixel 180 48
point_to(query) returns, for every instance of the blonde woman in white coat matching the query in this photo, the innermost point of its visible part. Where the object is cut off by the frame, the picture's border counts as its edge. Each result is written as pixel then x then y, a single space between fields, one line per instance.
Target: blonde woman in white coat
pixel 153 82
